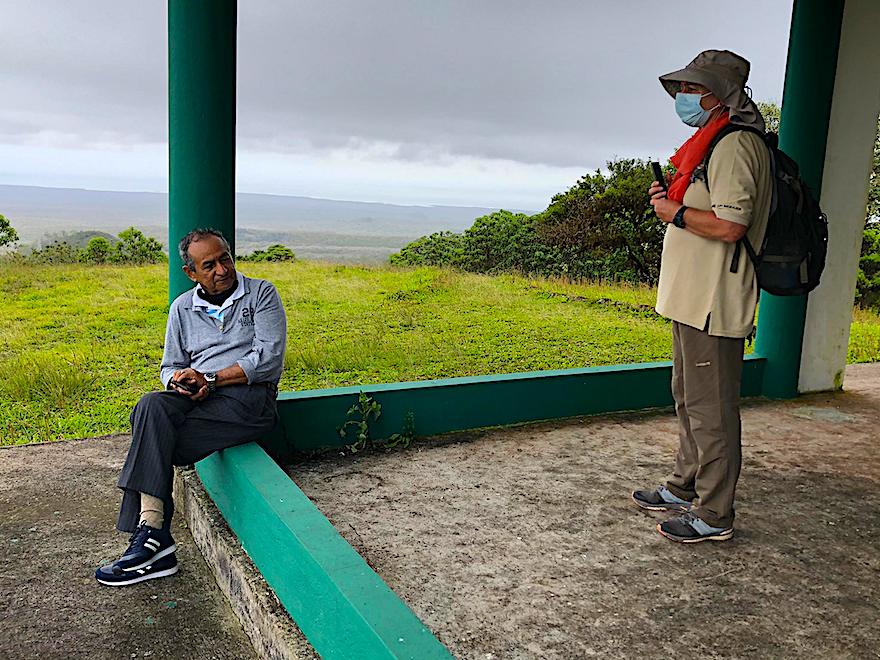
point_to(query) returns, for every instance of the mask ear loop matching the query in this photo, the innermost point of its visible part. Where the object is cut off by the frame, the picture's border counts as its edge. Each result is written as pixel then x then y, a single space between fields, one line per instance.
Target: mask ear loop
pixel 748 91
pixel 717 105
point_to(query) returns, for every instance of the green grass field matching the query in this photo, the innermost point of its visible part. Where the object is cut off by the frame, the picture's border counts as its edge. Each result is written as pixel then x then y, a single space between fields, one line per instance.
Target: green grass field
pixel 80 344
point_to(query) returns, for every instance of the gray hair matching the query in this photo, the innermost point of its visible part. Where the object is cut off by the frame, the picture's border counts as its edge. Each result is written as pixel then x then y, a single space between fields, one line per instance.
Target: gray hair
pixel 193 237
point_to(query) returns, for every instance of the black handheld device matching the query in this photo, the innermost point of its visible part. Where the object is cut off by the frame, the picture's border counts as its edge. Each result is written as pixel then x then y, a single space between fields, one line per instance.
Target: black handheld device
pixel 658 174
pixel 192 389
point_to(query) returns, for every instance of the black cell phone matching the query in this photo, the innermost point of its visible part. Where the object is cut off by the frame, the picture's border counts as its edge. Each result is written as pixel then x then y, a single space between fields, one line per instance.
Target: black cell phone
pixel 192 389
pixel 658 174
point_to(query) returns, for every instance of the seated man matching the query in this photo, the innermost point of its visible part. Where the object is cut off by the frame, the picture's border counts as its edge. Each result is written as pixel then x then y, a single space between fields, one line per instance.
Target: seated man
pixel 224 353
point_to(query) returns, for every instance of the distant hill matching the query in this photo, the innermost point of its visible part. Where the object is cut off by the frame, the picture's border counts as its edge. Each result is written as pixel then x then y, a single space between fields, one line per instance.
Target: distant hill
pixel 315 228
pixel 78 239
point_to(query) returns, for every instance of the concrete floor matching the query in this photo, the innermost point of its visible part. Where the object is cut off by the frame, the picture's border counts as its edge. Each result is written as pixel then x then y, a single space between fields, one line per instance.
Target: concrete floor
pixel 516 543
pixel 58 507
pixel 524 543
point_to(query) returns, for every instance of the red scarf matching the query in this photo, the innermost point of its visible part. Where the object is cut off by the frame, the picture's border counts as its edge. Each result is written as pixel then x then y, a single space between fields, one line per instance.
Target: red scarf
pixel 691 154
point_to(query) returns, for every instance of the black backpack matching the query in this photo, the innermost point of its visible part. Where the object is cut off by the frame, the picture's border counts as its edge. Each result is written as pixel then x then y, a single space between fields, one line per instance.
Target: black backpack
pixel 792 256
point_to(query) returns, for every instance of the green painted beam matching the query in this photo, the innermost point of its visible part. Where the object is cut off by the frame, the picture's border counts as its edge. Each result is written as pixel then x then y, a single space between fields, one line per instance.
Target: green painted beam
pixel 201 124
pixel 310 418
pixel 803 133
pixel 344 609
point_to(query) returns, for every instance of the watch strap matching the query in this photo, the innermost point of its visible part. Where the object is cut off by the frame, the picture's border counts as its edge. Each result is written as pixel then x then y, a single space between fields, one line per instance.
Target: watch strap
pixel 678 219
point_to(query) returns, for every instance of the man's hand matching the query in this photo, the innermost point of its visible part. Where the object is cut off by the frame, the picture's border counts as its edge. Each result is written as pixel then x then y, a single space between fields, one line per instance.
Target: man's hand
pixel 194 379
pixel 702 223
pixel 664 208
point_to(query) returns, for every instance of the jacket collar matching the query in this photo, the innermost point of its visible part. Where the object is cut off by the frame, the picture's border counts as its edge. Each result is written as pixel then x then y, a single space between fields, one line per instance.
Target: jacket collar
pixel 195 301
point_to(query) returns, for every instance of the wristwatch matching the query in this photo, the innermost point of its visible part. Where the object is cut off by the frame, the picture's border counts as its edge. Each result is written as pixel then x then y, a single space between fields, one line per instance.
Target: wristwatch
pixel 678 219
pixel 211 377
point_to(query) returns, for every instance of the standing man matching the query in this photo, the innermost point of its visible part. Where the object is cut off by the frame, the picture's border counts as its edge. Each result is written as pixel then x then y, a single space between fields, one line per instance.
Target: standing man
pixel 711 303
pixel 224 354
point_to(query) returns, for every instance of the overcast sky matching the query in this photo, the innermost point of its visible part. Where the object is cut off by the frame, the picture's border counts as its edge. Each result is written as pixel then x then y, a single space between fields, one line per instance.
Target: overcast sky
pixel 477 102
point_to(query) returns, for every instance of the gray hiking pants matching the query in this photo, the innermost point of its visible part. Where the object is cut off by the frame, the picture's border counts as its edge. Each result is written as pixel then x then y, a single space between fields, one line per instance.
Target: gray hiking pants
pixel 170 429
pixel 706 378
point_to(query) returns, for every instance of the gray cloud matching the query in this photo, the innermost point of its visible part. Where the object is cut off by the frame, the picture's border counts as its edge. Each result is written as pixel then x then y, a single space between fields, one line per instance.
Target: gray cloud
pixel 563 83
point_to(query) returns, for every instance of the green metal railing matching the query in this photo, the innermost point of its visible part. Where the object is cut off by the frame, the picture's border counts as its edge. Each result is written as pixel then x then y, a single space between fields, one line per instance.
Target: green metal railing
pixel 310 418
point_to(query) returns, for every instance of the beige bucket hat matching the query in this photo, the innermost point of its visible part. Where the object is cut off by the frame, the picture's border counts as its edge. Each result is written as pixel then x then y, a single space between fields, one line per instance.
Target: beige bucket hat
pixel 723 73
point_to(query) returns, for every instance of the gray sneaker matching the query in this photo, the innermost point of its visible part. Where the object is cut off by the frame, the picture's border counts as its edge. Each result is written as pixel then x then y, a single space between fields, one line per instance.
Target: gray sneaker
pixel 661 499
pixel 690 528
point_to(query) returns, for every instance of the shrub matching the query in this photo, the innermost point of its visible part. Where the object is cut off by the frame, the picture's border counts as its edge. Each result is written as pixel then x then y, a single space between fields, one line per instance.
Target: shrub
pixel 55 253
pixel 275 252
pixel 502 241
pixel 442 248
pixel 98 251
pixel 601 228
pixel 868 278
pixel 136 248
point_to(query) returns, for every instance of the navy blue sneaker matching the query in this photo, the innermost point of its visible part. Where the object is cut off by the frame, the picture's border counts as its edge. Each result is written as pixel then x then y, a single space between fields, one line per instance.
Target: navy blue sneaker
pixel 148 545
pixel 114 576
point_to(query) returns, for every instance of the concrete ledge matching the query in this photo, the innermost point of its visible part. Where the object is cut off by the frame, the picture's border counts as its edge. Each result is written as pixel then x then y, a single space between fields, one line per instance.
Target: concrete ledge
pixel 340 604
pixel 309 419
pixel 264 620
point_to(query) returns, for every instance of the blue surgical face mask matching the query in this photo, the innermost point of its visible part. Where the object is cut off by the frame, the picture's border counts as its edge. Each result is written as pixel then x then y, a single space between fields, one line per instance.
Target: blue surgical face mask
pixel 689 110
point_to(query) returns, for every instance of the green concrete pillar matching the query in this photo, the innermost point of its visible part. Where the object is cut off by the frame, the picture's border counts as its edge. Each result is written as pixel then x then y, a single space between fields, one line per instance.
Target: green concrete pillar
pixel 803 133
pixel 201 124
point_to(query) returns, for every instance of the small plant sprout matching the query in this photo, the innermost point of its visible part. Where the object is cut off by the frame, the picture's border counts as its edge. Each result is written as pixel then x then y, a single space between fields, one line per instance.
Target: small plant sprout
pixel 359 417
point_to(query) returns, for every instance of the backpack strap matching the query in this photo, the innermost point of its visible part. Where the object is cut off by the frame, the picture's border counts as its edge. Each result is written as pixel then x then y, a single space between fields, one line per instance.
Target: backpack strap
pixel 723 133
pixel 734 262
pixel 750 251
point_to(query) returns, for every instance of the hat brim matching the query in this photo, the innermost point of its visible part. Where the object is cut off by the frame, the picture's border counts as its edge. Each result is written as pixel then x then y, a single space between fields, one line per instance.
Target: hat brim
pixel 670 80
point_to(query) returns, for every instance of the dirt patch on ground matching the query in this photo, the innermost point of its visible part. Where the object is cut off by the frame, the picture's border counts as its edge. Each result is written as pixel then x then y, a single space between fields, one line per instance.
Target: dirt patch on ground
pixel 58 506
pixel 523 543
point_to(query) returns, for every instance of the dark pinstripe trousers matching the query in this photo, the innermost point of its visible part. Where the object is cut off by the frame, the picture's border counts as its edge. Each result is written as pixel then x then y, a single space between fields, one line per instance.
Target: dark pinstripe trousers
pixel 169 429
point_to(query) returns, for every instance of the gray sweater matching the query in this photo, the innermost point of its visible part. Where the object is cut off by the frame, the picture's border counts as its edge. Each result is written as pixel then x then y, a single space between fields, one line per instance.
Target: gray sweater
pixel 253 334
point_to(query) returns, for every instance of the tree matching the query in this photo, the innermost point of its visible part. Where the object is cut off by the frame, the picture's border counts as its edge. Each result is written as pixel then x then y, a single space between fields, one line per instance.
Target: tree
pixel 874 183
pixel 98 251
pixel 278 252
pixel 135 248
pixel 868 279
pixel 7 232
pixel 771 115
pixel 604 226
